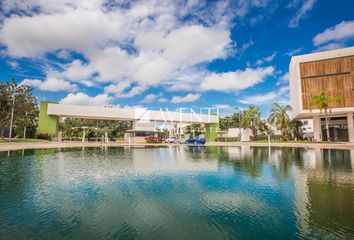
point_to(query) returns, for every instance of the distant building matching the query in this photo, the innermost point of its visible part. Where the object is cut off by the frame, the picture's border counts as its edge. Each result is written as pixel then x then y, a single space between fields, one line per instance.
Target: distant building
pixel 307 128
pixel 331 72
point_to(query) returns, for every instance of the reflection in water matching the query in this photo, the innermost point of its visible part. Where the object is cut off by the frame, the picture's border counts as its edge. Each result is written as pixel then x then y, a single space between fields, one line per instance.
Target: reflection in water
pixel 177 193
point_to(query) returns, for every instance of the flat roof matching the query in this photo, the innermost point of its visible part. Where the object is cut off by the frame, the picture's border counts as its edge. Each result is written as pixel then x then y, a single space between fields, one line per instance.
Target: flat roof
pixel 139 114
pixel 316 56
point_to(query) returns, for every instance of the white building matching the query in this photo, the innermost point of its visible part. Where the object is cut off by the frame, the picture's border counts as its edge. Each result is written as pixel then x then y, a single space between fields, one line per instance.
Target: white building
pixel 330 72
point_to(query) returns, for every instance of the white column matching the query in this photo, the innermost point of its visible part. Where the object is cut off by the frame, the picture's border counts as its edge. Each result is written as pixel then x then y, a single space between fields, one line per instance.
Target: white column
pixel 106 139
pixel 317 131
pixel 83 135
pixel 350 127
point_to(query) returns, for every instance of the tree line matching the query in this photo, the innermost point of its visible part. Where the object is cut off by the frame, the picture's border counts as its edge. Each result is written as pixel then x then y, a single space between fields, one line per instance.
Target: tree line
pixel 278 119
pixel 290 129
pixel 94 129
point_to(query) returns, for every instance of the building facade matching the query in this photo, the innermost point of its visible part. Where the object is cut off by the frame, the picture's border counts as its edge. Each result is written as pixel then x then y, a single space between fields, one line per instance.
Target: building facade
pixel 330 72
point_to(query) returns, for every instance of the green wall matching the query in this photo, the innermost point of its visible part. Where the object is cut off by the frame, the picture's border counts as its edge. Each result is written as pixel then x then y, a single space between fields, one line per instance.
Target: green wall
pixel 211 131
pixel 47 124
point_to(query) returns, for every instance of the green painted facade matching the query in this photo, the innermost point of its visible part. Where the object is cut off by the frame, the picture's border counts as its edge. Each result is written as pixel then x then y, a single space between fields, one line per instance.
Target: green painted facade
pixel 211 131
pixel 47 124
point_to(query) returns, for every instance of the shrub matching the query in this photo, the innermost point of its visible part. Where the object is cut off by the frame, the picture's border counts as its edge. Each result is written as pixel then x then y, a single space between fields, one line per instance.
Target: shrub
pixel 153 139
pixel 227 139
pixel 263 137
pixel 43 136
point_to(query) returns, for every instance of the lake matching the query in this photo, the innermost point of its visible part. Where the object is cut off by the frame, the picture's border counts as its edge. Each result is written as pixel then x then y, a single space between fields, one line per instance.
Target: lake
pixel 177 192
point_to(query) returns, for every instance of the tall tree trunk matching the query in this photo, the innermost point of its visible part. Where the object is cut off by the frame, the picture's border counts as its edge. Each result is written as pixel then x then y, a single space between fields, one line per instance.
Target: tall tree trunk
pixel 2 134
pixel 24 132
pixel 327 128
pixel 24 129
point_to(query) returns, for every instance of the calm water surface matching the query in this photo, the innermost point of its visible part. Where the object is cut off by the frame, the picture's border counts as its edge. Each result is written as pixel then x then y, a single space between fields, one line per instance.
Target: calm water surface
pixel 177 193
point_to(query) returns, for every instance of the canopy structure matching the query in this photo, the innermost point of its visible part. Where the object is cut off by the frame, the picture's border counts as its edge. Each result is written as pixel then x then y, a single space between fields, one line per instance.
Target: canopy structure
pixel 51 111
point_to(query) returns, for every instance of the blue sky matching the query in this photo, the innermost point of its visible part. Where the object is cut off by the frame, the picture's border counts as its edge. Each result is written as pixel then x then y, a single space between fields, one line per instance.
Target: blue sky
pixel 167 54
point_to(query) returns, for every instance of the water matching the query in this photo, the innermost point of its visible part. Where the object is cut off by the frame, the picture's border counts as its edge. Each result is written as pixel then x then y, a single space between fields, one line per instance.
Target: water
pixel 177 193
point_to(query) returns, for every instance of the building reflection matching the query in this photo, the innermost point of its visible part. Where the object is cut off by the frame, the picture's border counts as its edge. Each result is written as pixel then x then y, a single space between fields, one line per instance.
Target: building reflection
pixel 324 182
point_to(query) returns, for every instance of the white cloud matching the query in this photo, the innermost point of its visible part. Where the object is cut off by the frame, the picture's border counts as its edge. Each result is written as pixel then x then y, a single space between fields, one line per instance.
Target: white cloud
pixel 77 71
pixel 330 46
pixel 121 89
pixel 259 62
pixel 151 97
pixel 283 79
pixel 132 92
pixel 179 86
pixel 155 98
pixel 270 58
pixel 294 52
pixel 305 8
pixel 237 80
pixel 341 31
pixel 29 6
pixel 258 99
pixel 266 59
pixel 196 44
pixel 245 46
pixel 188 98
pixel 223 106
pixel 163 100
pixel 14 64
pixel 64 54
pixel 279 96
pixel 78 30
pixel 117 88
pixel 50 85
pixel 130 48
pixel 83 99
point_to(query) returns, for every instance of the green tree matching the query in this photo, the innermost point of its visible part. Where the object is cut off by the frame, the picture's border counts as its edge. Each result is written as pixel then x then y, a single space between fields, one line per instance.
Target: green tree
pixel 5 106
pixel 232 121
pixel 72 127
pixel 279 116
pixel 195 129
pixel 26 114
pixel 265 128
pixel 293 129
pixel 20 99
pixel 252 120
pixel 323 102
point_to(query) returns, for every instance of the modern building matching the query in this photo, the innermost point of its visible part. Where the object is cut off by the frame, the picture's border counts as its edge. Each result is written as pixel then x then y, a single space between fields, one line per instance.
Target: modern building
pixel 331 72
pixel 143 120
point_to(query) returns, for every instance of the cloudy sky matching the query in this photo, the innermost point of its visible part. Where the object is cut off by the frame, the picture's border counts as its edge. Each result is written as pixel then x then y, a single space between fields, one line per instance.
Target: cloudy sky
pixel 161 53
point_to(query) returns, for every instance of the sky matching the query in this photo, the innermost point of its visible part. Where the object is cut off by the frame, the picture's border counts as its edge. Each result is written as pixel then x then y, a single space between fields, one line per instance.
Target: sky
pixel 166 54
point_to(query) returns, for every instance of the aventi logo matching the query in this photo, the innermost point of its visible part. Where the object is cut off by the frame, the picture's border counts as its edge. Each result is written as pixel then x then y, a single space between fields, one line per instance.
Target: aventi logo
pixel 192 115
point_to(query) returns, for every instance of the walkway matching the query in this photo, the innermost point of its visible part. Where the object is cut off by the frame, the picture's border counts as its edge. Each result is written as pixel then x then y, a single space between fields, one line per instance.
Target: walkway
pixel 18 146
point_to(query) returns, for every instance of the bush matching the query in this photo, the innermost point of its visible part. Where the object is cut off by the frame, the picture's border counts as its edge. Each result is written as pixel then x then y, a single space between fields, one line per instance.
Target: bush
pixel 153 139
pixel 263 137
pixel 227 139
pixel 43 136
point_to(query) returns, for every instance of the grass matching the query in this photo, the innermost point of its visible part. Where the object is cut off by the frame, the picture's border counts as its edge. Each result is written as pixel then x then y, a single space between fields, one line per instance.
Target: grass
pixel 292 141
pixel 20 140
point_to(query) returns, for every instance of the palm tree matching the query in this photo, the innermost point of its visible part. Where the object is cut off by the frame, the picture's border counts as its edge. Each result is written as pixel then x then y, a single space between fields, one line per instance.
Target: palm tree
pixel 252 120
pixel 279 116
pixel 293 129
pixel 323 102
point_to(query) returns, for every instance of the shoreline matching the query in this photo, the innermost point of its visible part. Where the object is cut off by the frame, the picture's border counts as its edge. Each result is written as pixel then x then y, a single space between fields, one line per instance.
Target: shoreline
pixel 42 145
